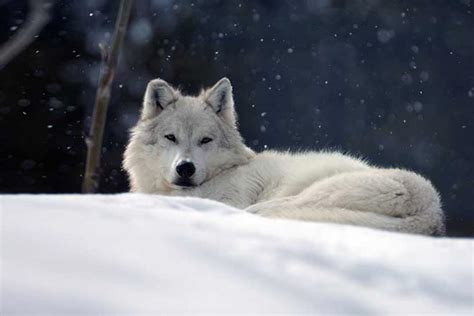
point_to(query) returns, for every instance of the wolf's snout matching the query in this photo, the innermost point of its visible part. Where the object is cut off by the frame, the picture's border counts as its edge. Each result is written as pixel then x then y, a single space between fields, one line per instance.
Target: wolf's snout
pixel 185 169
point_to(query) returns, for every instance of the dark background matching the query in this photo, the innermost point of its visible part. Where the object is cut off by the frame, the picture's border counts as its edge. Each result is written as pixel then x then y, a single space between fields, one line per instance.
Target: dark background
pixel 392 81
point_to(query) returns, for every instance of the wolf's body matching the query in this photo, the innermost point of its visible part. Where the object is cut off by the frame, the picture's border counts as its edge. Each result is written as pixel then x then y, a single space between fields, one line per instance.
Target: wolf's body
pixel 190 146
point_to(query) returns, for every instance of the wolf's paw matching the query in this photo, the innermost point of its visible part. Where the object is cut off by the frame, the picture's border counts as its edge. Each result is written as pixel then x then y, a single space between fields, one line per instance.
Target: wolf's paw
pixel 270 208
pixel 252 209
pixel 265 212
pixel 257 209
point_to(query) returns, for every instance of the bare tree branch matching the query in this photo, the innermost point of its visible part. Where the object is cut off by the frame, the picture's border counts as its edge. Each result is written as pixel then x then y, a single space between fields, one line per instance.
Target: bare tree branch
pixel 109 63
pixel 38 17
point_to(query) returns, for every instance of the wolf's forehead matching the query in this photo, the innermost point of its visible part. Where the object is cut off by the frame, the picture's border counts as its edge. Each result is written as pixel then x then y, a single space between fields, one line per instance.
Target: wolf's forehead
pixel 190 103
pixel 195 110
pixel 189 117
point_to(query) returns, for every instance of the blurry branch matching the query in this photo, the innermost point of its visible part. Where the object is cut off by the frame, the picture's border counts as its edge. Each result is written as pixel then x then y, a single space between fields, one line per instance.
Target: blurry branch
pixel 38 17
pixel 109 62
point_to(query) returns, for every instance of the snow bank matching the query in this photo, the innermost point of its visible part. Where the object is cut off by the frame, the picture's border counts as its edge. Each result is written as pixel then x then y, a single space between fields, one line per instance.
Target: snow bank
pixel 134 253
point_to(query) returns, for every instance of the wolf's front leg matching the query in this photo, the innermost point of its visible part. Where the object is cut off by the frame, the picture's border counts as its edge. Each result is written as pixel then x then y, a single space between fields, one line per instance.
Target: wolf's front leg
pixel 390 199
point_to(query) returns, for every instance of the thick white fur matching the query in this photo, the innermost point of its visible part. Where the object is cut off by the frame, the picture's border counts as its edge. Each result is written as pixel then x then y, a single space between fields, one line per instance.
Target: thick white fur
pixel 311 186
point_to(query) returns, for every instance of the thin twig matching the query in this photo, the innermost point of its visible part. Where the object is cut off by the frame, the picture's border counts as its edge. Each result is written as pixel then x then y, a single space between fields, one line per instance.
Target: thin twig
pixel 38 17
pixel 109 63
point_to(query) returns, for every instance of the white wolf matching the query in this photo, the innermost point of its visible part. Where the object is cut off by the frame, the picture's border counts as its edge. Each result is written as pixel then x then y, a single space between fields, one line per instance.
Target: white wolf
pixel 190 146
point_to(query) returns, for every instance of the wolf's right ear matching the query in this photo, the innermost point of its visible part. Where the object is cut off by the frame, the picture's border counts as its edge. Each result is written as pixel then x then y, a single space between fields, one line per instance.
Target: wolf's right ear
pixel 158 95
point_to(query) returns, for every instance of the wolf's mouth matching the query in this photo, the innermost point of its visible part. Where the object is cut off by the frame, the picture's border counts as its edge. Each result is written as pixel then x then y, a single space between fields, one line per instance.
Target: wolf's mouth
pixel 184 183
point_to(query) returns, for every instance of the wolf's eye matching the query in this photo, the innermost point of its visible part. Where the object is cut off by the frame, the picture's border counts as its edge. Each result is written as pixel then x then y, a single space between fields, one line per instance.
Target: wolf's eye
pixel 171 138
pixel 206 140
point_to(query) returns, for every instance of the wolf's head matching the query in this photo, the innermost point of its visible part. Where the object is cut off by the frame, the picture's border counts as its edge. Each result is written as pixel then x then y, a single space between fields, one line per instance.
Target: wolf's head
pixel 181 141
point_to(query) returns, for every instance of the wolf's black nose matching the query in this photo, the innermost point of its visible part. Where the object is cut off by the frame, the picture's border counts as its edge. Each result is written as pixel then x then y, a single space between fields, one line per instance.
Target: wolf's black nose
pixel 185 169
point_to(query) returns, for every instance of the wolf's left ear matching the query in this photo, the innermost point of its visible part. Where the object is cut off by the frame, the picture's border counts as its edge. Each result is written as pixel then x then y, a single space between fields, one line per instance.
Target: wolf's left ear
pixel 220 99
pixel 158 95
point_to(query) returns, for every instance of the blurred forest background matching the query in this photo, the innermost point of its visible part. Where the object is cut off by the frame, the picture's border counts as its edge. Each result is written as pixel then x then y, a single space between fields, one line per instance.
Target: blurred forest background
pixel 392 81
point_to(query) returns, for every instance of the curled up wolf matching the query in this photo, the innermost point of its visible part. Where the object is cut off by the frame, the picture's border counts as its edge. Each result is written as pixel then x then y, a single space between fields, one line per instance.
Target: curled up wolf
pixel 190 146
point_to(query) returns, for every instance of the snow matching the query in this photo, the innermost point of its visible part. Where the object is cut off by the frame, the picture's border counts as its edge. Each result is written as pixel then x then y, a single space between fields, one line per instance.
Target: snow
pixel 132 253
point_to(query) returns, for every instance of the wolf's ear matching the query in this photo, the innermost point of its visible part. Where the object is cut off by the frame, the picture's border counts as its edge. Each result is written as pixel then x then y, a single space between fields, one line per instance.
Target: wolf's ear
pixel 158 95
pixel 220 99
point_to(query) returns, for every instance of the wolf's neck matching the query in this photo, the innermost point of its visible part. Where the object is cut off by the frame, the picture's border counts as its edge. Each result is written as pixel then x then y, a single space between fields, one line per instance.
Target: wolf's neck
pixel 243 156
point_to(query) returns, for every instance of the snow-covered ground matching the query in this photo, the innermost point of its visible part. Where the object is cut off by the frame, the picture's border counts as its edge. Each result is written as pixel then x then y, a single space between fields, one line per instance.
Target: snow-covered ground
pixel 134 254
